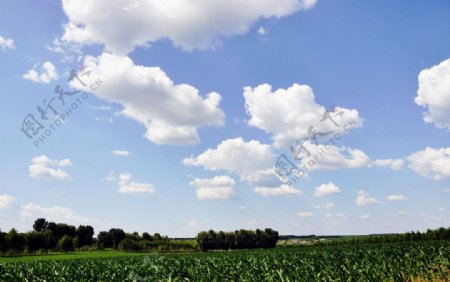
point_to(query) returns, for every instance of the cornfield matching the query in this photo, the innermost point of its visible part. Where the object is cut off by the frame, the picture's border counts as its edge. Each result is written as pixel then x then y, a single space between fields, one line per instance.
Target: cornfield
pixel 410 261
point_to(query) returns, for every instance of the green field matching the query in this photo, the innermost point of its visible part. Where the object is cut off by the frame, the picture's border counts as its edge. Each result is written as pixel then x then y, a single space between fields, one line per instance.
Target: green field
pixel 409 261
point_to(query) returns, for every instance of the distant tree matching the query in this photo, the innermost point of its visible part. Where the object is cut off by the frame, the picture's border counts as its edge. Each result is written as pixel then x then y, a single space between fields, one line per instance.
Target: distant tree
pixel 15 241
pixel 40 225
pixel 65 244
pixel 117 235
pixel 147 236
pixel 157 237
pixel 35 241
pixel 85 235
pixel 2 242
pixel 104 239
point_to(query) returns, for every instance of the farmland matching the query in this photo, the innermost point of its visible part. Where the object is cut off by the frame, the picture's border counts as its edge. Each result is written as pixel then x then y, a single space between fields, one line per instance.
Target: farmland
pixel 402 261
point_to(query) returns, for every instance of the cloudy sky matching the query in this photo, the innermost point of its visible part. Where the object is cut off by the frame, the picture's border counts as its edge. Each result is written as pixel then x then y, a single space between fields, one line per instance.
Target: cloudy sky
pixel 324 117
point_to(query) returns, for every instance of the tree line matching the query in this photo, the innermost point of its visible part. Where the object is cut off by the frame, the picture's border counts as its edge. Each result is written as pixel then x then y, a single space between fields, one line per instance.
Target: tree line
pixel 431 234
pixel 241 239
pixel 49 236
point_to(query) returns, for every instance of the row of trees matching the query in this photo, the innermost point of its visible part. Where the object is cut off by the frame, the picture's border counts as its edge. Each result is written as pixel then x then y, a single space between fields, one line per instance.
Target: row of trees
pixel 49 236
pixel 46 236
pixel 431 234
pixel 242 239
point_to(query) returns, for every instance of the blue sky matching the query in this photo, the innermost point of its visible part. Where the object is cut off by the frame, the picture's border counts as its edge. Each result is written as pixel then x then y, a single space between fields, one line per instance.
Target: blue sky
pixel 198 100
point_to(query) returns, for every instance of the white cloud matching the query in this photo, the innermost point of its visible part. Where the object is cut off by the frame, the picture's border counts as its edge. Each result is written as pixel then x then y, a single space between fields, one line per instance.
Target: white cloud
pixel 110 177
pixel 431 163
pixel 292 114
pixel 127 186
pixel 121 153
pixel 365 216
pixel 47 73
pixel 190 25
pixel 170 112
pixel 283 190
pixel 326 206
pixel 363 199
pixel 6 43
pixel 305 214
pixel 216 188
pixel 56 214
pixel 6 201
pixel 44 167
pixel 434 94
pixel 327 189
pixel 247 159
pixel 261 31
pixel 193 223
pixel 331 157
pixel 396 198
pixel 395 164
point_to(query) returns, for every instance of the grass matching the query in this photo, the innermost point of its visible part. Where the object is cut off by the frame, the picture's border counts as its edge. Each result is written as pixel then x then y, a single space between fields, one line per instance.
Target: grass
pixel 70 256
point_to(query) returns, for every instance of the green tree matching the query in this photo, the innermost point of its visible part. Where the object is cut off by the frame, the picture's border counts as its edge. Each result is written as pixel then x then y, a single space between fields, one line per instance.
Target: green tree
pixel 65 244
pixel 40 225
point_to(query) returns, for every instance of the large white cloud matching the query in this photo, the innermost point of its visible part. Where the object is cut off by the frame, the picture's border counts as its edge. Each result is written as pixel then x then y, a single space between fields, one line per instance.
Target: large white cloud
pixel 44 167
pixel 216 188
pixel 5 201
pixel 434 93
pixel 431 163
pixel 121 25
pixel 364 199
pixel 283 190
pixel 327 189
pixel 6 43
pixel 55 213
pixel 289 114
pixel 170 112
pixel 47 72
pixel 128 186
pixel 250 160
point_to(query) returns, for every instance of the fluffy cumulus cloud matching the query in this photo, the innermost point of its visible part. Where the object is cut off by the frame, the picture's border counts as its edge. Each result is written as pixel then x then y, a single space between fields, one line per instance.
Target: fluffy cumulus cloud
pixel 434 94
pixel 42 74
pixel 364 199
pixel 326 157
pixel 128 186
pixel 431 163
pixel 250 160
pixel 292 114
pixel 327 189
pixel 56 214
pixel 5 201
pixel 170 112
pixel 216 188
pixel 396 198
pixel 395 164
pixel 283 190
pixel 6 43
pixel 44 167
pixel 190 24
